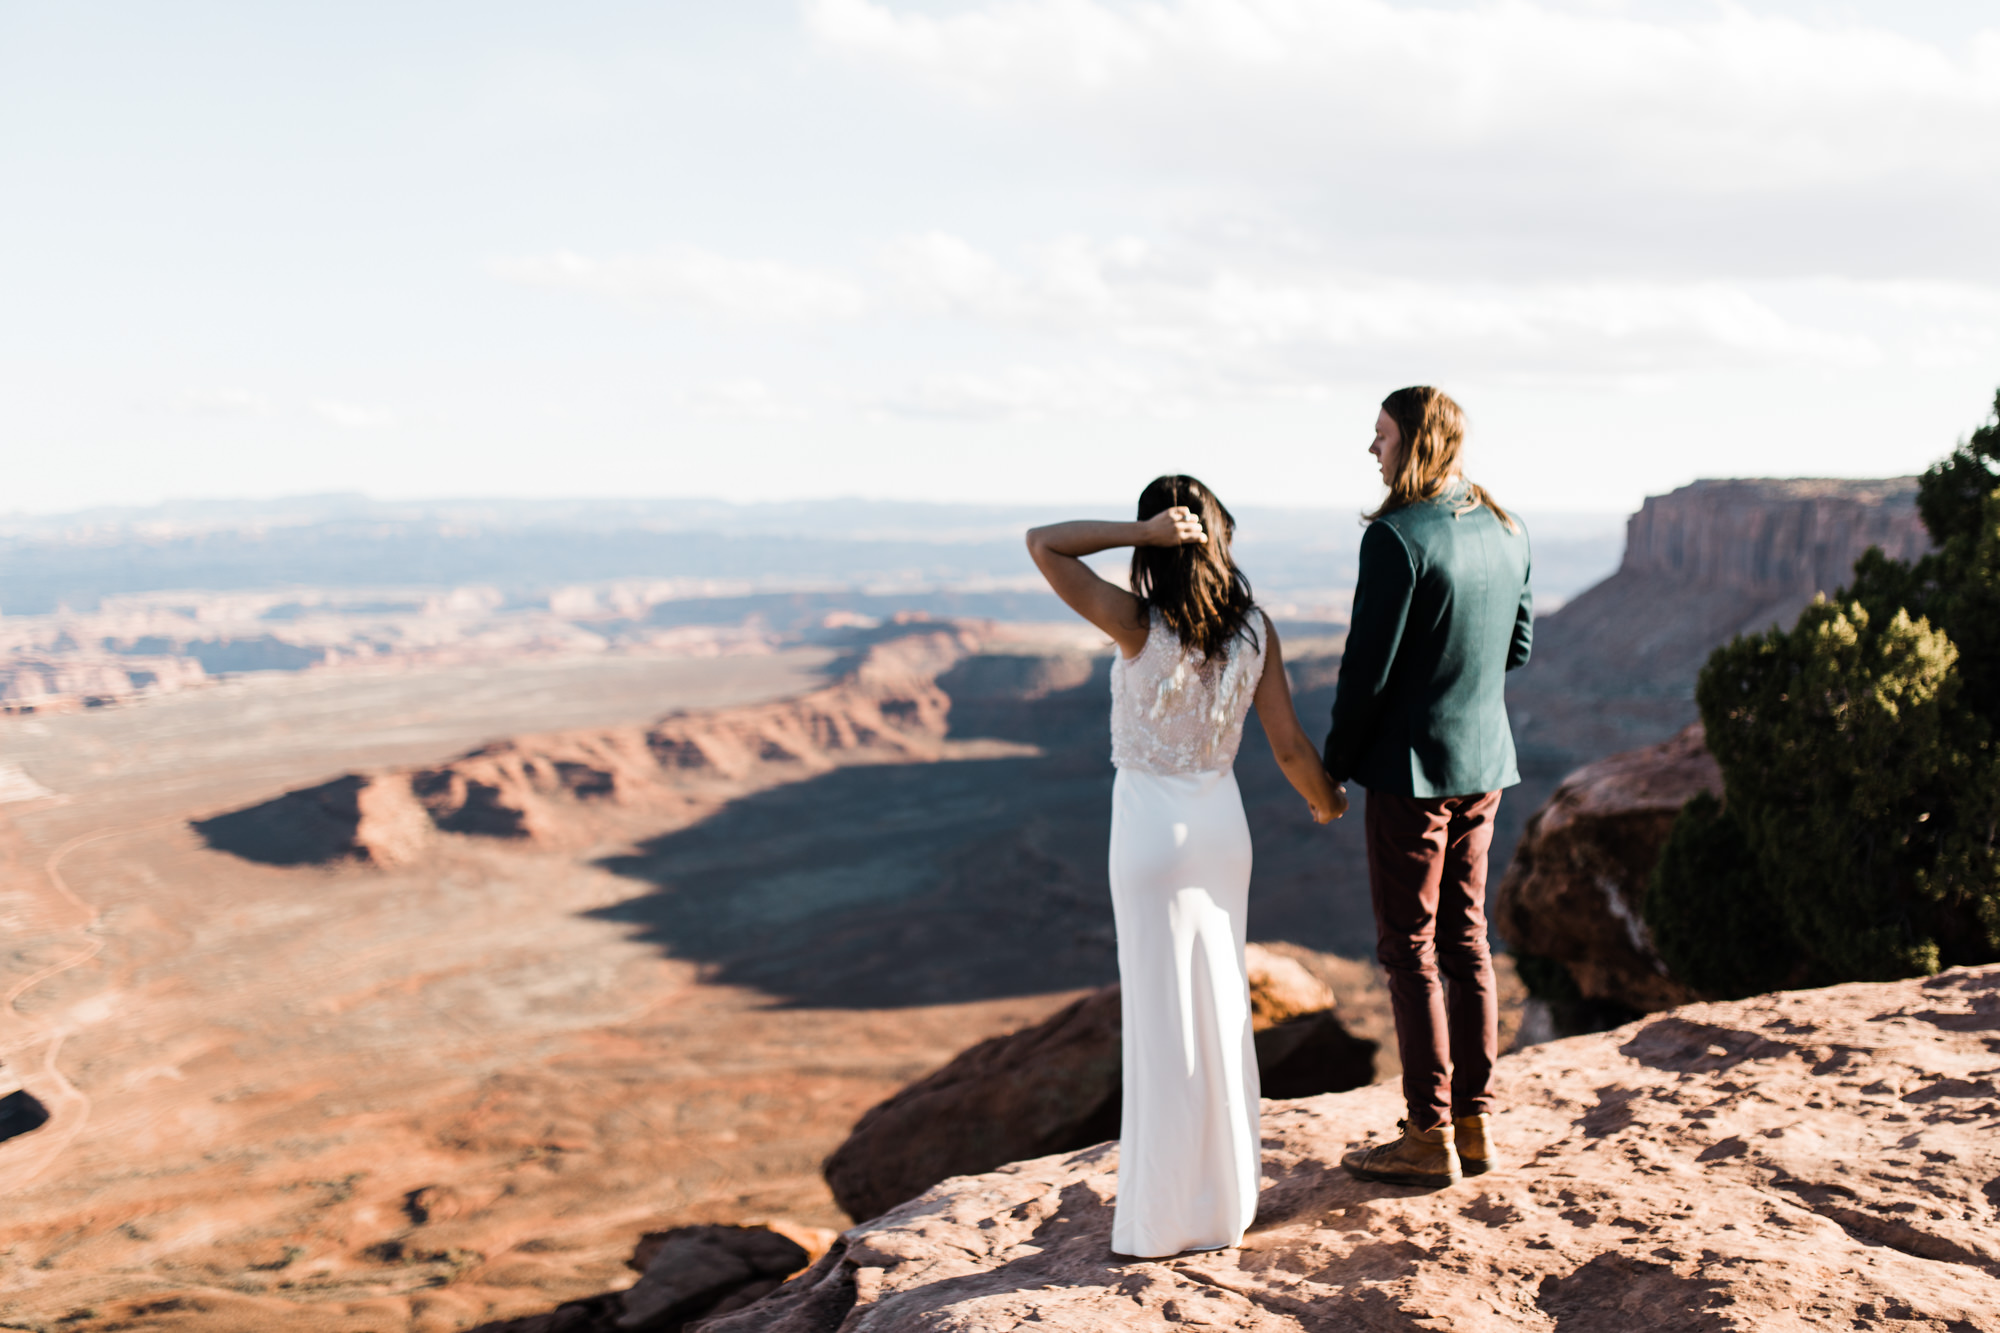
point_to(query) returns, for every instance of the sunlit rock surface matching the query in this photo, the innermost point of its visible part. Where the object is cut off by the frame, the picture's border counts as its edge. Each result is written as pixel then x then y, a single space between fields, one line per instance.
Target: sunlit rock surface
pixel 1813 1159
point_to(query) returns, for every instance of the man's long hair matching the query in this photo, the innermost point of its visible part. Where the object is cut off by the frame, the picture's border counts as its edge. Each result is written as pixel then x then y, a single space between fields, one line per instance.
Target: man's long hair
pixel 1196 587
pixel 1433 431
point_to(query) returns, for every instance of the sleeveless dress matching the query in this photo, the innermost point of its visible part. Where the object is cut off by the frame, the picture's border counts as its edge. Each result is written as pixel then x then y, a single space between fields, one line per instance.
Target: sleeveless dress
pixel 1188 1154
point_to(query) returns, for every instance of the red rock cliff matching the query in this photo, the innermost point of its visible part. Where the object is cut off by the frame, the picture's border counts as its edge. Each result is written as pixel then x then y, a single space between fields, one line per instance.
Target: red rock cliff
pixel 1616 668
pixel 1771 539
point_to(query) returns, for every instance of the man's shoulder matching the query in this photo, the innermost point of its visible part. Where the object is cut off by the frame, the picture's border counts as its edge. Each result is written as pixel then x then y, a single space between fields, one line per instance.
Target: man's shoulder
pixel 1433 531
pixel 1387 538
pixel 1416 526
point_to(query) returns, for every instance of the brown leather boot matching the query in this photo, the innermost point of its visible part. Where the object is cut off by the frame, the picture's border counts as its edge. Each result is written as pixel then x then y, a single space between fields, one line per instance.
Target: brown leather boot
pixel 1474 1141
pixel 1420 1157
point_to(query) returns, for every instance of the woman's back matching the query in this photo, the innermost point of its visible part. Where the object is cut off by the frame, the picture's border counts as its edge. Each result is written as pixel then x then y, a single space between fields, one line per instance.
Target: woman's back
pixel 1442 612
pixel 1174 711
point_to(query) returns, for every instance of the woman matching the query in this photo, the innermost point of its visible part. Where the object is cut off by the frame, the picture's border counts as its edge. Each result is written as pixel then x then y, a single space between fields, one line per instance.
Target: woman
pixel 1194 652
pixel 1442 612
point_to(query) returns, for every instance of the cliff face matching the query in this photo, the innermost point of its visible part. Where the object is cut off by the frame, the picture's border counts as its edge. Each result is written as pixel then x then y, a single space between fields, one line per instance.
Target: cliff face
pixel 1772 539
pixel 1716 559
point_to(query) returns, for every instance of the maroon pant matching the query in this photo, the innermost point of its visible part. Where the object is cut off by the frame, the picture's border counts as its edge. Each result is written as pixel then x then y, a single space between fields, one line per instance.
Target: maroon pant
pixel 1427 876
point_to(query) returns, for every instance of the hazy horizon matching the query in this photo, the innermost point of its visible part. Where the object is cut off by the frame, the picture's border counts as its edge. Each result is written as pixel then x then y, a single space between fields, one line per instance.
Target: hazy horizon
pixel 527 549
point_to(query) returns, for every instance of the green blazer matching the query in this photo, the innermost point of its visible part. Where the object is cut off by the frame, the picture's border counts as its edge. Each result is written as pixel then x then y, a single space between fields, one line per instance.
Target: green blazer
pixel 1442 611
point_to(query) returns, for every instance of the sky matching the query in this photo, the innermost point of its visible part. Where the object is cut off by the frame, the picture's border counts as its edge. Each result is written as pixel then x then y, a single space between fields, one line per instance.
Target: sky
pixel 986 250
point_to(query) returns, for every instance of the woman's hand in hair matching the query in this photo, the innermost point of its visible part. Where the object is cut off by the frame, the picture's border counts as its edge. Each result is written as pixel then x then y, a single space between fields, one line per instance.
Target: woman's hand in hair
pixel 1178 526
pixel 1058 550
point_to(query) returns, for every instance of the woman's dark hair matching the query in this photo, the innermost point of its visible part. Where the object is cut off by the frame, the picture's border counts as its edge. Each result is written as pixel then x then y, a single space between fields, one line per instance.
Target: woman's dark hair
pixel 1196 588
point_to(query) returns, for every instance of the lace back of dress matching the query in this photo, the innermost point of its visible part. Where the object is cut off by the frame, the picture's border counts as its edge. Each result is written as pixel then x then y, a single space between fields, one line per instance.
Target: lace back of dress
pixel 1174 710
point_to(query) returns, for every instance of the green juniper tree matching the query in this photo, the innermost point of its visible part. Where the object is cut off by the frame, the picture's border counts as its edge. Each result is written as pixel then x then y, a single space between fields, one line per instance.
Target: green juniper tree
pixel 1859 837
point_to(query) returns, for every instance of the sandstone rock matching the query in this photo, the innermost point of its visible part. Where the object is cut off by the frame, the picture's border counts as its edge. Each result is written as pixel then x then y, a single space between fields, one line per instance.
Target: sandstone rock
pixel 692 1270
pixel 1049 1088
pixel 1615 667
pixel 1282 988
pixel 1719 558
pixel 357 817
pixel 1818 1159
pixel 539 789
pixel 1798 537
pixel 687 1275
pixel 1055 1087
pixel 1575 889
pixel 74 677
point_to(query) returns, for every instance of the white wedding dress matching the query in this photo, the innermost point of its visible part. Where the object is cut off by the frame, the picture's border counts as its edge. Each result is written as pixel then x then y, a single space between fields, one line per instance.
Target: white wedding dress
pixel 1180 887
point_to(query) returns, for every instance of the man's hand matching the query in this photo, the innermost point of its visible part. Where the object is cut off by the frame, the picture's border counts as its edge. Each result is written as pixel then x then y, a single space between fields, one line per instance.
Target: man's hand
pixel 1173 527
pixel 1327 812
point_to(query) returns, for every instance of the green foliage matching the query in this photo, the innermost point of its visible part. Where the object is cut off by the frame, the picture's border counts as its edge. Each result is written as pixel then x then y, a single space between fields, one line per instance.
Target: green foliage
pixel 1952 495
pixel 1570 1009
pixel 1716 927
pixel 1546 979
pixel 1861 835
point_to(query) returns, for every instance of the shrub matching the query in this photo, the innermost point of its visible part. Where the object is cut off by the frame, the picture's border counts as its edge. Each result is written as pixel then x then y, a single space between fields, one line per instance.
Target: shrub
pixel 1859 838
pixel 1713 923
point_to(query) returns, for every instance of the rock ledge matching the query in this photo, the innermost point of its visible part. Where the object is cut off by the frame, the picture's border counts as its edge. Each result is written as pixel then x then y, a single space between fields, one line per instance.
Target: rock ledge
pixel 1809 1159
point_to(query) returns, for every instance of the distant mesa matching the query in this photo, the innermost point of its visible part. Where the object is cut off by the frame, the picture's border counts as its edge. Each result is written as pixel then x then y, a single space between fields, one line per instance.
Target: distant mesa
pixel 310 826
pixel 1712 560
pixel 887 708
pixel 61 680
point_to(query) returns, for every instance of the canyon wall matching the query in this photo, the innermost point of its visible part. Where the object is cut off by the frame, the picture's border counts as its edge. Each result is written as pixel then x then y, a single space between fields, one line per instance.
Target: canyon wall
pixel 1772 538
pixel 1712 560
pixel 1614 670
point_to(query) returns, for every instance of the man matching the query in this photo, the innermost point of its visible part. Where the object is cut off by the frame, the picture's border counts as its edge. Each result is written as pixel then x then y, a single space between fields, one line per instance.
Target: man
pixel 1442 611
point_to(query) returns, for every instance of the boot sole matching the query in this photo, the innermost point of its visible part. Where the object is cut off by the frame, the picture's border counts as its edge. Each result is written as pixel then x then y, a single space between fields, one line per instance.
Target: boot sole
pixel 1436 1182
pixel 1474 1166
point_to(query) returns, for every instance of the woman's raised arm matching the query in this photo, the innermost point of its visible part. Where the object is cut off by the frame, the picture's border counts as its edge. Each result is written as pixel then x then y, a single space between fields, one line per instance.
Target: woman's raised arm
pixel 1058 551
pixel 1289 746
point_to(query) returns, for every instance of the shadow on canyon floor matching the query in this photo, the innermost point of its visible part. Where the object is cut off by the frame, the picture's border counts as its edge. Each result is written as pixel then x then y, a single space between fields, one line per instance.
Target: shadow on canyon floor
pixel 893 885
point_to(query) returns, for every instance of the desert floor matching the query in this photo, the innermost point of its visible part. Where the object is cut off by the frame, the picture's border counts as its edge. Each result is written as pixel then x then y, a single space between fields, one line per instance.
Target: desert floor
pixel 351 1099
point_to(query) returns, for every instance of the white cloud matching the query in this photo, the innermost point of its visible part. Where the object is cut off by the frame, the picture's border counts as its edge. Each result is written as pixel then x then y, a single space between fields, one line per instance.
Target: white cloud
pixel 1286 327
pixel 352 416
pixel 745 397
pixel 1035 394
pixel 230 402
pixel 1134 327
pixel 747 291
pixel 1732 100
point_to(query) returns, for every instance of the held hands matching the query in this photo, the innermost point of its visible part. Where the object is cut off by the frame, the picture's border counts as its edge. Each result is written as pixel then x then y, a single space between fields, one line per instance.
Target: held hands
pixel 1178 526
pixel 1326 811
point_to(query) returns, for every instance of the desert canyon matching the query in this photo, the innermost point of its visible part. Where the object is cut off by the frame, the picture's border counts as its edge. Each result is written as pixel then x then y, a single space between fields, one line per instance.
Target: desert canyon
pixel 460 982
